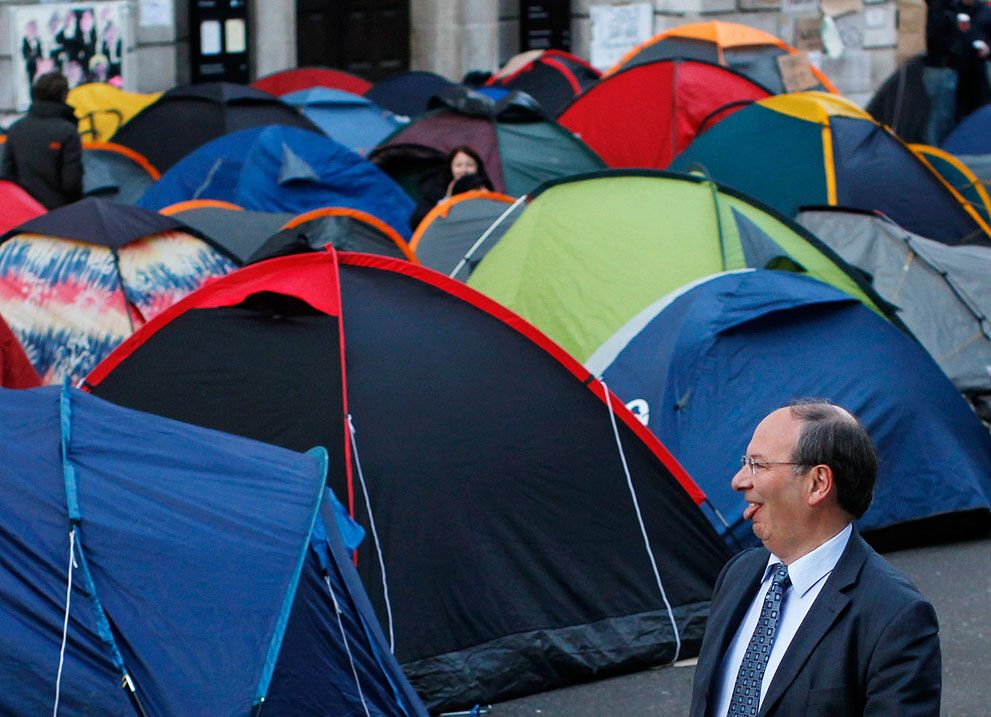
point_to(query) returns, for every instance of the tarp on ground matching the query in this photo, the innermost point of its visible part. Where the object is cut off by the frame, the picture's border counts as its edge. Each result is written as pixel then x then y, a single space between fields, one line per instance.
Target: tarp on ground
pixel 519 147
pixel 102 108
pixel 816 149
pixel 941 293
pixel 16 205
pixel 452 426
pixel 730 350
pixel 644 115
pixel 240 231
pixel 353 120
pixel 282 169
pixel 458 233
pixel 78 280
pixel 552 77
pixel 204 567
pixel 408 93
pixel 189 116
pixel 589 253
pixel 747 50
pixel 112 171
pixel 16 370
pixel 303 78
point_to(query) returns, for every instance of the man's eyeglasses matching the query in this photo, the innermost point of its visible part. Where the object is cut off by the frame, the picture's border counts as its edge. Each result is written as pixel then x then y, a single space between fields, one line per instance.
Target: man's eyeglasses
pixel 754 464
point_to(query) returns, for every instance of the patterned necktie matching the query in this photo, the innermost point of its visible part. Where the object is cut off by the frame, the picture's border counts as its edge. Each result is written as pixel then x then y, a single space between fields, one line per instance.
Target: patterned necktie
pixel 746 691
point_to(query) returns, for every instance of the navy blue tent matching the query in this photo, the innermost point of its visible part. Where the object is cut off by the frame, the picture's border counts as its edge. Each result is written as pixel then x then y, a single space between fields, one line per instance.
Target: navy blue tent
pixel 702 369
pixel 972 135
pixel 407 94
pixel 282 169
pixel 208 574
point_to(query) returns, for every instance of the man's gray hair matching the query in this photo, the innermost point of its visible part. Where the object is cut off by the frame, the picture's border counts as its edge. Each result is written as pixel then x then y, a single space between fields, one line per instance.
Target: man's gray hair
pixel 832 436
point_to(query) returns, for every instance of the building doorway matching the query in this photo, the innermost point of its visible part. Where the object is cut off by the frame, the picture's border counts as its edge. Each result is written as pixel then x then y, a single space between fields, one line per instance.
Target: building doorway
pixel 369 38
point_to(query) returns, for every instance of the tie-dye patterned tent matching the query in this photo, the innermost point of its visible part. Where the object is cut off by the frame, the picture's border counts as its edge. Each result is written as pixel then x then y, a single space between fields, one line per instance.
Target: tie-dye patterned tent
pixel 77 281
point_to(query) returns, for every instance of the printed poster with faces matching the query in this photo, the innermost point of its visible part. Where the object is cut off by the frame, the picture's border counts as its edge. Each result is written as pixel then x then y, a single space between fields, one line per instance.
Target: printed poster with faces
pixel 85 41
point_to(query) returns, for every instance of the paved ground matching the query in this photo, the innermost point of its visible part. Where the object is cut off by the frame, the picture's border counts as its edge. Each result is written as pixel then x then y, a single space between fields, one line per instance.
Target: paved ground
pixel 956 578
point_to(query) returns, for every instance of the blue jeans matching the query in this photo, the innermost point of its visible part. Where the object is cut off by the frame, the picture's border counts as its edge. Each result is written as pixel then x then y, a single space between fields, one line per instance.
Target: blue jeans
pixel 941 87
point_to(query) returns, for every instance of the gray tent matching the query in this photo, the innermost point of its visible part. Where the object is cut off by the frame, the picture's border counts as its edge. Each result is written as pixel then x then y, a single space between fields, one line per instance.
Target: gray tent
pixel 240 232
pixel 942 292
pixel 114 172
pixel 459 232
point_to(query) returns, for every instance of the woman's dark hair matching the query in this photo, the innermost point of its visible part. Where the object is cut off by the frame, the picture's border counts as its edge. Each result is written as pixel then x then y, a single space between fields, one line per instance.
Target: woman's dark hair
pixel 470 151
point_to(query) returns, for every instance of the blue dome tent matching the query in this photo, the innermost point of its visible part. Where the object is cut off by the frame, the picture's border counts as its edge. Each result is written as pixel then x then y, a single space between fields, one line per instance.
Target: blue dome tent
pixel 205 572
pixel 703 367
pixel 282 169
pixel 353 120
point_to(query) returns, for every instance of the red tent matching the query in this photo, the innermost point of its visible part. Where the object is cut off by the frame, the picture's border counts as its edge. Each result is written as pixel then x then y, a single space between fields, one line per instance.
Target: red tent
pixel 16 206
pixel 303 78
pixel 643 116
pixel 16 370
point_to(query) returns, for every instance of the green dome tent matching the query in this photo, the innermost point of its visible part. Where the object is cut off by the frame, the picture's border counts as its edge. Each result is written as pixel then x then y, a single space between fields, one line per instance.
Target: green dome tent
pixel 592 251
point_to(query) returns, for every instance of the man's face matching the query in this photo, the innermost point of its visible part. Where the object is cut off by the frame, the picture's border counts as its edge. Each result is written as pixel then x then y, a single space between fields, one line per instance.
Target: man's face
pixel 777 499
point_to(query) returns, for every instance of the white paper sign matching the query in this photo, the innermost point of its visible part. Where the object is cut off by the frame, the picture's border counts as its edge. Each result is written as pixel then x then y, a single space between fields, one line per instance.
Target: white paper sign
pixel 617 29
pixel 156 13
pixel 800 7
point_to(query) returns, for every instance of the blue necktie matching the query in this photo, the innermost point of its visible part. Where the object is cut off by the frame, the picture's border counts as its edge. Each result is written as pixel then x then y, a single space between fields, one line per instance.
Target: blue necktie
pixel 746 690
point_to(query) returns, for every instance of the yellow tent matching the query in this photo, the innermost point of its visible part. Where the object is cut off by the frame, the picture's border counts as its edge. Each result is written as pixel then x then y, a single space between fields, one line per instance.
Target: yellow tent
pixel 102 108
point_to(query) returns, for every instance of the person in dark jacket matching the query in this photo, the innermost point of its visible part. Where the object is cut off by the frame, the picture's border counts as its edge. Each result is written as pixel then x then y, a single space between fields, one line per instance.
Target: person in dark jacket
pixel 43 152
pixel 463 171
pixel 971 51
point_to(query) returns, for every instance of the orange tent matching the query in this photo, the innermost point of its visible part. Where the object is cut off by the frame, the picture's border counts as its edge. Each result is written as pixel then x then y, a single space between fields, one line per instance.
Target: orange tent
pixel 751 52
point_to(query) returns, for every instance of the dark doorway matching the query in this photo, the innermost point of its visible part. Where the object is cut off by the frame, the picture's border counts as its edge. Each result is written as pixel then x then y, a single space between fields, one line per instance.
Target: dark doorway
pixel 369 38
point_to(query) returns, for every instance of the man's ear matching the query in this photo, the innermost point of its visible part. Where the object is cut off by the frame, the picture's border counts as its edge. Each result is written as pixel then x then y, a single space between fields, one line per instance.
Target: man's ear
pixel 821 484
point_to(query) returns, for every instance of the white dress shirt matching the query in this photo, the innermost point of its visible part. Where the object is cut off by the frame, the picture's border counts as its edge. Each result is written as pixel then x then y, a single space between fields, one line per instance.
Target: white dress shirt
pixel 808 574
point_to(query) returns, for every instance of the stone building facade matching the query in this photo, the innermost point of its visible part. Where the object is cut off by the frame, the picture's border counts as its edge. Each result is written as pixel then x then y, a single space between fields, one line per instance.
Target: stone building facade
pixel 451 37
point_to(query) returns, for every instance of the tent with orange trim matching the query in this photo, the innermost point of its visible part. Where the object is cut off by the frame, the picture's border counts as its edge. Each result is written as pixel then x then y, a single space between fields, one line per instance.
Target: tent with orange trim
pixel 552 77
pixel 342 228
pixel 452 426
pixel 103 108
pixel 113 171
pixel 240 231
pixel 459 231
pixel 644 115
pixel 817 149
pixel 16 205
pixel 751 52
pixel 959 176
pixel 303 78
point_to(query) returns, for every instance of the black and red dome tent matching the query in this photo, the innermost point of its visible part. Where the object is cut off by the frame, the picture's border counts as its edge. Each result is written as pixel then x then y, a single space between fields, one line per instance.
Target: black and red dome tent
pixel 509 550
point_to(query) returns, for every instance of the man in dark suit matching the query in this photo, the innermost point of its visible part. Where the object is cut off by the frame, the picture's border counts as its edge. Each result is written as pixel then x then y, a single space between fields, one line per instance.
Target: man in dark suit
pixel 816 622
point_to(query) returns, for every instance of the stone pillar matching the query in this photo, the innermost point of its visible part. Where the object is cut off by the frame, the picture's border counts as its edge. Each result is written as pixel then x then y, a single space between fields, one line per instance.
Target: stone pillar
pixel 273 36
pixel 451 37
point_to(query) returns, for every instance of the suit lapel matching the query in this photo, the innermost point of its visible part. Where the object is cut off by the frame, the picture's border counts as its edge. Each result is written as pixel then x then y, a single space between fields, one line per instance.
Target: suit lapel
pixel 724 625
pixel 829 605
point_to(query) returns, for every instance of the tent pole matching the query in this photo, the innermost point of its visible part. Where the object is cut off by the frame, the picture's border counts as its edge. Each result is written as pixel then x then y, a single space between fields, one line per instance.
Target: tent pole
pixel 485 235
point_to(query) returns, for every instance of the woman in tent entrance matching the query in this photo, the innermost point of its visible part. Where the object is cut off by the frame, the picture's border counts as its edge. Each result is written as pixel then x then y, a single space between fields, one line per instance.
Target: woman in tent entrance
pixel 463 172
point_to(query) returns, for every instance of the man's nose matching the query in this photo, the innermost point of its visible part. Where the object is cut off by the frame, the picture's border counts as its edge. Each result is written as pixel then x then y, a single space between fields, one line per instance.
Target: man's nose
pixel 741 481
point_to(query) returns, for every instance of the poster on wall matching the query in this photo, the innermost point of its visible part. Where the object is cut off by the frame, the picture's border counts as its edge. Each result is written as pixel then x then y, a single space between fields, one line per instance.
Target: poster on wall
pixel 83 40
pixel 617 29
